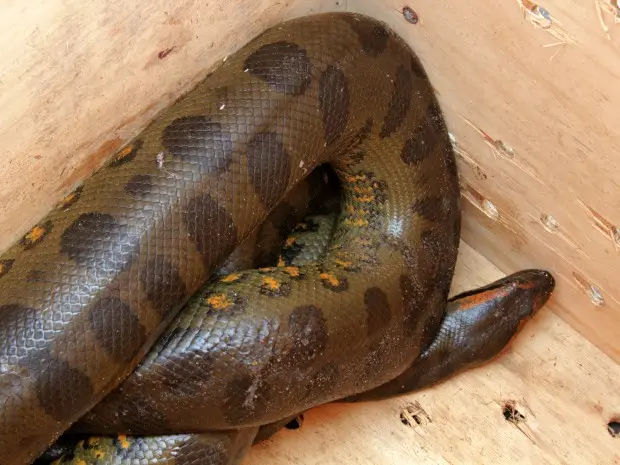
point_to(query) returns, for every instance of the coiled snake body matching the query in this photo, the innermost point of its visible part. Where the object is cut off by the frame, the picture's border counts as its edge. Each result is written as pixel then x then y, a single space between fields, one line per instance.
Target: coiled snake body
pixel 90 289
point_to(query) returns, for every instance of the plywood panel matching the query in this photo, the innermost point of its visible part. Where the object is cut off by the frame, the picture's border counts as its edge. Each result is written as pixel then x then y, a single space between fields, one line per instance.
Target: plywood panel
pixel 562 388
pixel 529 93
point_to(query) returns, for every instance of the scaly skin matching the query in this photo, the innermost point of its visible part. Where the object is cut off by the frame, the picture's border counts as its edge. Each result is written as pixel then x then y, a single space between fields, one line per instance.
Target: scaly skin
pixel 88 292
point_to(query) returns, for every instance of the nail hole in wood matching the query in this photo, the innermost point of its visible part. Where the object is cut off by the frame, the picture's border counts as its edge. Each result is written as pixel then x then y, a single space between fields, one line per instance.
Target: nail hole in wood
pixel 511 413
pixel 410 15
pixel 614 428
pixel 549 223
pixel 490 209
pixel 295 423
pixel 413 415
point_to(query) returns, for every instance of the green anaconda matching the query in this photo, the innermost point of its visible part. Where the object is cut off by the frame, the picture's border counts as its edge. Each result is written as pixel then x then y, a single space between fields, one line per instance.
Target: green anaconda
pixel 89 293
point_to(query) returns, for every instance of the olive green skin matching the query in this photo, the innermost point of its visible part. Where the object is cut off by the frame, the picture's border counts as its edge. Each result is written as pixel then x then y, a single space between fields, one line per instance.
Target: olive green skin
pixel 88 291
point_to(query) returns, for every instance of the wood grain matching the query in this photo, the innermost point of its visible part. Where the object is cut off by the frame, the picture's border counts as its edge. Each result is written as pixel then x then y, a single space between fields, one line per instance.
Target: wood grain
pixel 562 385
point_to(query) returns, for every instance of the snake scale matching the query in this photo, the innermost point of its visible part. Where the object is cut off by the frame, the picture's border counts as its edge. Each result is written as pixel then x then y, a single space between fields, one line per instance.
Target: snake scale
pixel 113 320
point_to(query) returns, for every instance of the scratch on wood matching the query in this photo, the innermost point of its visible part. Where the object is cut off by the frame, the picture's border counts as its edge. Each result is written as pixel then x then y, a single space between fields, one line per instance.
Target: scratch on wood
pixel 603 225
pixel 541 18
pixel 611 7
pixel 552 226
pixel 500 149
pixel 595 294
pixel 463 155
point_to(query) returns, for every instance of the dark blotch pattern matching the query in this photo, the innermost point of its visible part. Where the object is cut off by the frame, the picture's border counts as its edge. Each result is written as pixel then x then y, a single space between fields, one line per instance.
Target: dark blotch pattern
pixel 430 208
pixel 58 386
pixel 269 167
pixel 424 139
pixel 373 38
pixel 163 284
pixel 93 235
pixel 283 65
pixel 199 141
pixel 5 266
pixel 378 312
pixel 246 397
pixel 127 153
pixel 399 103
pixel 35 276
pixel 140 184
pixel 117 328
pixel 334 102
pixel 210 227
pixel 308 330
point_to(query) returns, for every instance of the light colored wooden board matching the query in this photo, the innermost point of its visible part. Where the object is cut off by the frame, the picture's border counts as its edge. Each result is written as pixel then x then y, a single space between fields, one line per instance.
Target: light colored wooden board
pixel 564 387
pixel 79 79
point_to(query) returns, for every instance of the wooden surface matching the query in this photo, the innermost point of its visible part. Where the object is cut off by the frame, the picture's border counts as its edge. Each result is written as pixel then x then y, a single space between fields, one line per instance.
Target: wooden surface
pixel 79 79
pixel 564 387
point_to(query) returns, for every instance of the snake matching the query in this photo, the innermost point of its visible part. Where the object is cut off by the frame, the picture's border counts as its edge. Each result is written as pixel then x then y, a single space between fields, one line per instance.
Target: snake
pixel 114 320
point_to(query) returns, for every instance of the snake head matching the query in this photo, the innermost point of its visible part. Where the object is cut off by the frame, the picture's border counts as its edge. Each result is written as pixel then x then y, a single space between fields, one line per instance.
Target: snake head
pixel 525 292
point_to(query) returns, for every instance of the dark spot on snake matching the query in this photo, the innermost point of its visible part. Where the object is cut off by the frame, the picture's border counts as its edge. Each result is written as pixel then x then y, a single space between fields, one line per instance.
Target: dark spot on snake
pixel 290 252
pixel 58 386
pixel 269 167
pixel 421 144
pixel 283 65
pixel 245 398
pixel 139 184
pixel 163 284
pixel 378 312
pixel 372 37
pixel 308 333
pixel 400 102
pixel 197 140
pixel 334 102
pixel 210 227
pixel 97 238
pixel 429 208
pixel 117 328
pixel 126 154
pixel 36 235
pixel 35 276
pixel 5 266
pixel 71 199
